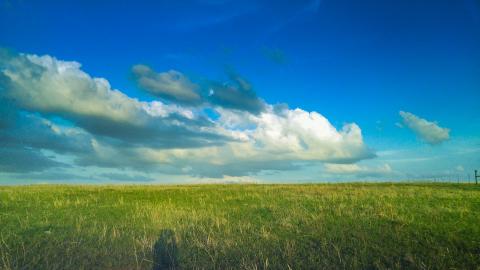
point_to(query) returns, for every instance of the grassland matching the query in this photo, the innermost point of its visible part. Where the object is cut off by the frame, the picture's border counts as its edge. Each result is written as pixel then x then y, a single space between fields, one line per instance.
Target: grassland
pixel 333 226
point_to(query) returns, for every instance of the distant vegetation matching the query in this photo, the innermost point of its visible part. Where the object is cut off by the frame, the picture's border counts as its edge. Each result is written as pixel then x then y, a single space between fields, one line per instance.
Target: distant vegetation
pixel 332 226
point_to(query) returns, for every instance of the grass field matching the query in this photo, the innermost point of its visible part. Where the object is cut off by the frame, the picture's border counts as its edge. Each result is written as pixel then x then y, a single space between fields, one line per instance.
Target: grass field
pixel 331 226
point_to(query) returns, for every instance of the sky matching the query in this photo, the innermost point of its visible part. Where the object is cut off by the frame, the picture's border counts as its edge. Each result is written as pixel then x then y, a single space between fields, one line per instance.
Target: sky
pixel 224 91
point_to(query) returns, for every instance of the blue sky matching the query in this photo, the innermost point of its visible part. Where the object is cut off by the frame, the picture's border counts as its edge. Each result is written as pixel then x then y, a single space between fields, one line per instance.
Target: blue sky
pixel 205 86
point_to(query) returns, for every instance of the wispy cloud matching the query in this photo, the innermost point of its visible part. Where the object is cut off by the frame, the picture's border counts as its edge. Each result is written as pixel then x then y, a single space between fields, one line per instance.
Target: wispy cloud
pixel 429 132
pixel 361 171
pixel 236 93
pixel 171 85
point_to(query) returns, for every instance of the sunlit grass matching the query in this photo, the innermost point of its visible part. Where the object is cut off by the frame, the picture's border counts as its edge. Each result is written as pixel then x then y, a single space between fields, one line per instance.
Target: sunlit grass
pixel 344 226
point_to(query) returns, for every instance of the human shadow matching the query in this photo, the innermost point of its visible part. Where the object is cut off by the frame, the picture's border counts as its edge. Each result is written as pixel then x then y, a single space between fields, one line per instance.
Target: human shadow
pixel 165 252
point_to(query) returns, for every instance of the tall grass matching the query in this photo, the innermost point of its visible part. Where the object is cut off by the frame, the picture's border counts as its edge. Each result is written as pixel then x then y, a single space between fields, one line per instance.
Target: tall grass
pixel 335 226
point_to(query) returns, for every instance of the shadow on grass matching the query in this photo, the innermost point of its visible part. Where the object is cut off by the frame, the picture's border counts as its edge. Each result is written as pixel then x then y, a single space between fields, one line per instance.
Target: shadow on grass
pixel 165 252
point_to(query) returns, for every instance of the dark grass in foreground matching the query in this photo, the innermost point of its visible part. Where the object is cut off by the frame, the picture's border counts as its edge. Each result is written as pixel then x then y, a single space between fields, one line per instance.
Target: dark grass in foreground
pixel 344 226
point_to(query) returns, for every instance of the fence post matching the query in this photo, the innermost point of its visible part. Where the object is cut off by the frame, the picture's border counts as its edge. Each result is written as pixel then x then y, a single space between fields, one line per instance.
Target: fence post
pixel 476 178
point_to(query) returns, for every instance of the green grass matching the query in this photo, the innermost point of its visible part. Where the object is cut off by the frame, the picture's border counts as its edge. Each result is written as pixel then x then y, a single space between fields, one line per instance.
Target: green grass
pixel 332 226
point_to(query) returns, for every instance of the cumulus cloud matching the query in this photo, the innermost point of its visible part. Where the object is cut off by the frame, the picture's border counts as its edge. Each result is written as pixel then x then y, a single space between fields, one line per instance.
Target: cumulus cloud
pixel 49 86
pixel 275 140
pixel 170 85
pixel 55 106
pixel 301 135
pixel 429 132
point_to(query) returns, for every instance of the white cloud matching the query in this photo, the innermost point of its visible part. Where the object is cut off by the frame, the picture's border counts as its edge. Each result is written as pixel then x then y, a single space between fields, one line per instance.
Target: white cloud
pixel 428 131
pixel 49 86
pixel 123 132
pixel 43 83
pixel 272 141
pixel 356 169
pixel 303 135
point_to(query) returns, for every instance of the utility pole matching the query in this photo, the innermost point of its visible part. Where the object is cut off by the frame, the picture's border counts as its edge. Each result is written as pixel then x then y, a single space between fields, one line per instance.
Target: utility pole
pixel 476 177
